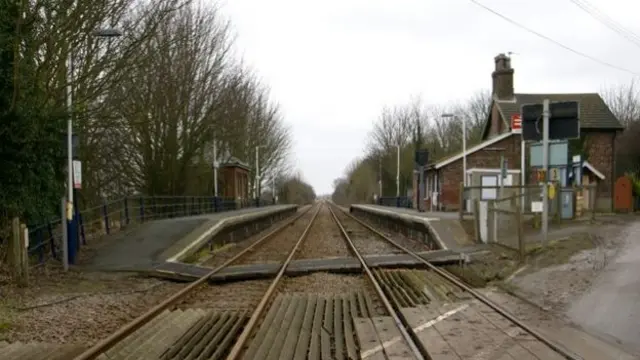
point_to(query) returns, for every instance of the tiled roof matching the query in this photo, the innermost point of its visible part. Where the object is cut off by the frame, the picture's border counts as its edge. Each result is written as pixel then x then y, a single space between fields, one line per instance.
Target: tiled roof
pixel 594 112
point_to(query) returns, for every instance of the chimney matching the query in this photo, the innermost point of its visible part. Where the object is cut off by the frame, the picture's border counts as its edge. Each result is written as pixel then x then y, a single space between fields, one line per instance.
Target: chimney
pixel 502 78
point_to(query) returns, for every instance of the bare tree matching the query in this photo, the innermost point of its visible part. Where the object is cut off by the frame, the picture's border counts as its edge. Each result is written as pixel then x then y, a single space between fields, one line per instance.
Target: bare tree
pixel 624 102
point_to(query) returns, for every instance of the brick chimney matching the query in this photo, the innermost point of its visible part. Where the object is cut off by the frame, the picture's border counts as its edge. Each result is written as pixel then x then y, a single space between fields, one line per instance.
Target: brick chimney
pixel 502 78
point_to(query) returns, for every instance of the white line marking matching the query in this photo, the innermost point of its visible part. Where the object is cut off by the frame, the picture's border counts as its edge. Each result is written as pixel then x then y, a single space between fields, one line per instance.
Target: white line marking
pixel 428 324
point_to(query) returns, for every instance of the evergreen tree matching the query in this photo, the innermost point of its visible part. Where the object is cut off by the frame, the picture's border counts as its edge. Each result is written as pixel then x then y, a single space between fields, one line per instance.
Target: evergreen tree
pixel 31 156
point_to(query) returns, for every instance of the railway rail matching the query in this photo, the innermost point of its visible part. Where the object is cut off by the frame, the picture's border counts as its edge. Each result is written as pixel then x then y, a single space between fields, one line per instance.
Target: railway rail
pixel 393 314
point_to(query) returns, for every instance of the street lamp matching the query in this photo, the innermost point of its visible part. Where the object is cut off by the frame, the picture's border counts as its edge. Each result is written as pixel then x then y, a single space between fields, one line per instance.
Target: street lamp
pixel 257 187
pixel 101 33
pixel 464 147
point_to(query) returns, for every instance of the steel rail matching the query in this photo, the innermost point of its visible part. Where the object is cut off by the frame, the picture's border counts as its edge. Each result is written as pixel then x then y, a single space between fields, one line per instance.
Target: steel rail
pixel 567 354
pixel 126 330
pixel 253 321
pixel 417 352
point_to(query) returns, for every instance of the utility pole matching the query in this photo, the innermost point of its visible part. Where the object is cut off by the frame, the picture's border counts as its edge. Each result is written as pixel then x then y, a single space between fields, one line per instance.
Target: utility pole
pixel 380 177
pixel 257 194
pixel 545 166
pixel 215 168
pixel 398 175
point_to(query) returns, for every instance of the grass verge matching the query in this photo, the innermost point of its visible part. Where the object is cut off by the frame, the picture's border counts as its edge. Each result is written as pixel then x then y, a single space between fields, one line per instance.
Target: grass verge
pixel 498 263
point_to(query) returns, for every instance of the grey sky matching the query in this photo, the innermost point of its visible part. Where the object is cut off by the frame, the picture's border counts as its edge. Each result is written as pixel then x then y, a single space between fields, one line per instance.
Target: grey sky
pixel 333 64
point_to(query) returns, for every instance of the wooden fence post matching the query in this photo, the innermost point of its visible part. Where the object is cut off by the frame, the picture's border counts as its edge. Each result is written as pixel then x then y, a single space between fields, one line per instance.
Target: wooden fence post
pixel 18 258
pixel 24 254
pixel 520 231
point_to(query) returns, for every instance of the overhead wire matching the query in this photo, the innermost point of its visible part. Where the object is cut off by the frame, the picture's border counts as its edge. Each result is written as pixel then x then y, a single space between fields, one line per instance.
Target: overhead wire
pixel 557 43
pixel 607 21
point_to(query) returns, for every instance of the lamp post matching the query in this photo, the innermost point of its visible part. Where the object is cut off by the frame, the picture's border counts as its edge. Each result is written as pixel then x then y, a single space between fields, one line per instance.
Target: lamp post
pixel 69 241
pixel 398 177
pixel 257 187
pixel 464 148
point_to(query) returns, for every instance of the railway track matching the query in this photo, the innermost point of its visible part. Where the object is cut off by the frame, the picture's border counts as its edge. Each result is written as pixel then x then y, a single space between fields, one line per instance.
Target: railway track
pixel 381 314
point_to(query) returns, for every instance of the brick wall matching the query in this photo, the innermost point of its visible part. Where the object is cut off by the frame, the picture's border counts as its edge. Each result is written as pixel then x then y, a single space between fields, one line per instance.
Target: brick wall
pixel 487 158
pixel 600 154
pixel 497 125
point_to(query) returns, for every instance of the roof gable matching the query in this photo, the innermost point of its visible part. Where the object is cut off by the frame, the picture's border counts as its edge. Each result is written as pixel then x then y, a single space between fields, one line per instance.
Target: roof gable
pixel 594 112
pixel 471 150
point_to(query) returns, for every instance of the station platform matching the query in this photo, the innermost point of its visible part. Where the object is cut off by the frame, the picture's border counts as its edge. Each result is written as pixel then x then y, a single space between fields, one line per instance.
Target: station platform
pixel 148 245
pixel 446 227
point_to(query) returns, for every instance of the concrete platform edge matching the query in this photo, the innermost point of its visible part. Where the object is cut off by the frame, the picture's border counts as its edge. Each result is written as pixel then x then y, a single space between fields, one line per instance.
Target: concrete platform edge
pixel 405 217
pixel 212 227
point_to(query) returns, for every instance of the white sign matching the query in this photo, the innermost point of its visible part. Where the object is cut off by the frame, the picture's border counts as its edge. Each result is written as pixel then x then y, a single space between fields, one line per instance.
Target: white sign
pixel 77 174
pixel 508 181
pixel 536 206
pixel 576 158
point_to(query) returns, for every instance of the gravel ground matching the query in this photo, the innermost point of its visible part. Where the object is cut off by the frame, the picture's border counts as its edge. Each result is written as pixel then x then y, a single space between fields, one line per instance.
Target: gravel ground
pixel 411 244
pixel 554 287
pixel 324 239
pixel 75 307
pixel 243 295
pixel 276 249
pixel 365 241
pixel 219 256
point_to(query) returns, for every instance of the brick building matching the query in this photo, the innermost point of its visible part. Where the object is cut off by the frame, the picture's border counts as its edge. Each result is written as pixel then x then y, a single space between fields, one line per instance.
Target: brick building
pixel 598 127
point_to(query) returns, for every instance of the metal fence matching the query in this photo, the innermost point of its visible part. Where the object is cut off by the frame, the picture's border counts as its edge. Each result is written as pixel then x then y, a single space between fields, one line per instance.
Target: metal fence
pixel 584 197
pixel 508 220
pixel 95 221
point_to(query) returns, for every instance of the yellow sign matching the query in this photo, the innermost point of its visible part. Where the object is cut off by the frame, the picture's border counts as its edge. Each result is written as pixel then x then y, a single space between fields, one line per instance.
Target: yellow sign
pixel 69 210
pixel 552 191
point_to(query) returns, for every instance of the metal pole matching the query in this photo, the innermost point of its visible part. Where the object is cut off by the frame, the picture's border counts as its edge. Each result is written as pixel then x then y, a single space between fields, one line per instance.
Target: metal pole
pixel 523 180
pixel 69 129
pixel 398 174
pixel 68 213
pixel 65 249
pixel 380 177
pixel 464 151
pixel 257 171
pixel 215 168
pixel 464 157
pixel 545 166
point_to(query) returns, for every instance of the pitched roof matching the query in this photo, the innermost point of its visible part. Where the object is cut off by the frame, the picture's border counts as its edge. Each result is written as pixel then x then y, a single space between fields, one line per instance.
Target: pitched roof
pixel 454 157
pixel 594 112
pixel 234 161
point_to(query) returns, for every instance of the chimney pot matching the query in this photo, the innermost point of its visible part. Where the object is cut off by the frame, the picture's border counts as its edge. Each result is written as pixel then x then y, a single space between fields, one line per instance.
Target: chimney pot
pixel 502 78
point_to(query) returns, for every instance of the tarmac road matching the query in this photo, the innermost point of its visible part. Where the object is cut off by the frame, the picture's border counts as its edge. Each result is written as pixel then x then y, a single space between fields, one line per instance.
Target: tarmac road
pixel 611 308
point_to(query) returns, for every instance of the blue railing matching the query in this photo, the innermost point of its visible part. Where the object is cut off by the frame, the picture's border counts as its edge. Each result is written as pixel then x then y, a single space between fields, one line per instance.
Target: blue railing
pixel 45 240
pixel 402 201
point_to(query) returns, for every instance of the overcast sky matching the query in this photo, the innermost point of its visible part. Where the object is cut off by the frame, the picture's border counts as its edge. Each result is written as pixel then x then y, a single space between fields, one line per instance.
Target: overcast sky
pixel 333 64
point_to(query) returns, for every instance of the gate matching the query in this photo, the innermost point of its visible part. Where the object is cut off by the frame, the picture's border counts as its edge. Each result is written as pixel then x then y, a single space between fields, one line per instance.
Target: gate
pixel 623 195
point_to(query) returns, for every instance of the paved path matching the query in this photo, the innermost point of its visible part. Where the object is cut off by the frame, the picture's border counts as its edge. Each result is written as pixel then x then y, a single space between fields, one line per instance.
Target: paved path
pixel 143 246
pixel 611 308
